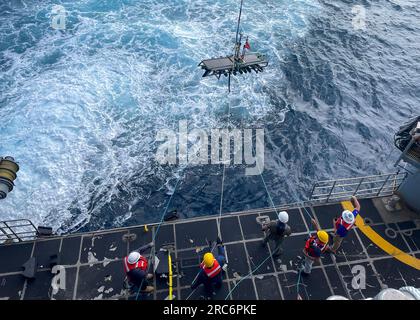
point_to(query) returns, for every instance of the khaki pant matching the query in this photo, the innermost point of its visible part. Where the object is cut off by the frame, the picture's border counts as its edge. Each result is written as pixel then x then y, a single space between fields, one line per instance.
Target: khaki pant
pixel 278 240
pixel 337 240
pixel 307 267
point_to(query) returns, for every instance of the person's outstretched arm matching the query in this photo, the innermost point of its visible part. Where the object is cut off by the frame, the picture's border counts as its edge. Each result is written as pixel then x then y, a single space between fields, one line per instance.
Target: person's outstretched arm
pixel 144 248
pixel 221 255
pixel 355 203
pixel 316 225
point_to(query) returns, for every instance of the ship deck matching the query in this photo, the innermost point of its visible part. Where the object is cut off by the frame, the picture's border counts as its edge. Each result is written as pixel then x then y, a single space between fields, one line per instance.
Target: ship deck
pixel 94 269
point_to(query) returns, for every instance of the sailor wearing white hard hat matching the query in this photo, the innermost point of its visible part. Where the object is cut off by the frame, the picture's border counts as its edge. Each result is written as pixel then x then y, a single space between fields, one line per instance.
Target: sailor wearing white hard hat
pixel 136 267
pixel 343 224
pixel 276 231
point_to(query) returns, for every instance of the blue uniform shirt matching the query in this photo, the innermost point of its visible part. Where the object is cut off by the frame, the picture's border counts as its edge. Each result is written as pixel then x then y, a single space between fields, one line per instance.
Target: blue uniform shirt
pixel 342 227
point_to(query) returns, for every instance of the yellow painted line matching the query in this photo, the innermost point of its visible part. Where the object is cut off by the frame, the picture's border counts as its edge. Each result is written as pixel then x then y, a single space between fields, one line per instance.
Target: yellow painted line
pixel 381 242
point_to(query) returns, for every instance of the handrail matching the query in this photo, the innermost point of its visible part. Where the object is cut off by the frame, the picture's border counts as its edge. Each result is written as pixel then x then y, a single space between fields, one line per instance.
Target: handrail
pixel 353 184
pixel 17 230
pixel 379 185
pixel 364 177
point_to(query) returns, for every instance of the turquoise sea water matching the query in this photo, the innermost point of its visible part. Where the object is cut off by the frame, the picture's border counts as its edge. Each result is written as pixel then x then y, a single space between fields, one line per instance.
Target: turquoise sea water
pixel 80 107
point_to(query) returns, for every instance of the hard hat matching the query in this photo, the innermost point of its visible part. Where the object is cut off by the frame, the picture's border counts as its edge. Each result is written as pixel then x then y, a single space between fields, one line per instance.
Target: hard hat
pixel 348 216
pixel 322 236
pixel 283 216
pixel 133 257
pixel 208 260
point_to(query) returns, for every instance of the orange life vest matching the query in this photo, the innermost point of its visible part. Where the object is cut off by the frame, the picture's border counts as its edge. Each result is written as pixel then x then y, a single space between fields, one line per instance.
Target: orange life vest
pixel 140 264
pixel 213 271
pixel 313 242
pixel 340 221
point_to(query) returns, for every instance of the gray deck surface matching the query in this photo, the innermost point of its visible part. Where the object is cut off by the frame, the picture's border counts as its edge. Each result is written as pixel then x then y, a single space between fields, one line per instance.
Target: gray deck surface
pixel 94 269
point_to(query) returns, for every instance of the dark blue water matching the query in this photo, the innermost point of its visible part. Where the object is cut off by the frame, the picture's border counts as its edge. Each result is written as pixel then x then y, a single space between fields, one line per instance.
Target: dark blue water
pixel 80 107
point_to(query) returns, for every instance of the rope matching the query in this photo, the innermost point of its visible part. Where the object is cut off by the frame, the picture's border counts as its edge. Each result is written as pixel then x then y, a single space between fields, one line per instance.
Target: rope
pixel 221 202
pixel 223 183
pixel 306 211
pixel 250 273
pixel 348 264
pixel 157 231
pixel 192 292
pixel 220 209
pixel 269 256
pixel 298 283
pixel 195 278
pixel 303 261
pixel 268 193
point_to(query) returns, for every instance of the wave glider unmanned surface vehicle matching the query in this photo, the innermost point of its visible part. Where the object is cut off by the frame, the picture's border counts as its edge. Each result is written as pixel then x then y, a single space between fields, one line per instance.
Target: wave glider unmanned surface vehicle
pixel 237 63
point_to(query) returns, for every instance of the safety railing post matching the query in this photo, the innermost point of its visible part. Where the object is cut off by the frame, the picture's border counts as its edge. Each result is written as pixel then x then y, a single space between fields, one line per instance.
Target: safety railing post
pixel 11 230
pixel 5 233
pixel 18 230
pixel 383 185
pixel 313 190
pixel 332 189
pixel 358 186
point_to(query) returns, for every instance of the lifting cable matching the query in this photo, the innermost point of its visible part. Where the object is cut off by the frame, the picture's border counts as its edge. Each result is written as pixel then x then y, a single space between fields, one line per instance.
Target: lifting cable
pixel 219 232
pixel 302 262
pixel 270 255
pixel 160 223
pixel 266 259
pixel 157 231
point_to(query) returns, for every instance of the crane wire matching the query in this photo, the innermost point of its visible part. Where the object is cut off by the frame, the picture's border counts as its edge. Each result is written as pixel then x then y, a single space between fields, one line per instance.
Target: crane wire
pixel 157 230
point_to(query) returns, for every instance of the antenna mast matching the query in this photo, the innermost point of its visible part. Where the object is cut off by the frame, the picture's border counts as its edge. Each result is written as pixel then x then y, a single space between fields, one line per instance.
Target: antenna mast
pixel 239 22
pixel 238 63
pixel 237 43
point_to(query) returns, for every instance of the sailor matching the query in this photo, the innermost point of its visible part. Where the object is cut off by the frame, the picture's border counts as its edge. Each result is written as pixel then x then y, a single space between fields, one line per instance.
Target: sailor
pixel 276 231
pixel 343 224
pixel 315 246
pixel 210 274
pixel 136 270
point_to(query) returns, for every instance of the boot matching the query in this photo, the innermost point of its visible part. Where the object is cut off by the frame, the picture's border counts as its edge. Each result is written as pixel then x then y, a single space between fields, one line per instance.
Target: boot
pixel 278 253
pixel 149 289
pixel 264 243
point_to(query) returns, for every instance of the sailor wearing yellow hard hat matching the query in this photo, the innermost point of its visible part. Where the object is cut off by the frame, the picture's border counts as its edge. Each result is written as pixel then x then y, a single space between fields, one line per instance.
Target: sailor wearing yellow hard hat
pixel 210 274
pixel 315 246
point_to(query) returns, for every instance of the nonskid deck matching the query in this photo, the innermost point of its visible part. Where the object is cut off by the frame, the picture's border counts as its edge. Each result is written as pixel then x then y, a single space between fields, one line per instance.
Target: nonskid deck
pixel 93 261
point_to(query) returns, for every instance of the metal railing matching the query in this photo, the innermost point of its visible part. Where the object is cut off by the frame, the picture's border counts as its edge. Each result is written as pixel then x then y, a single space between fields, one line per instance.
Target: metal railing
pixel 17 231
pixel 362 187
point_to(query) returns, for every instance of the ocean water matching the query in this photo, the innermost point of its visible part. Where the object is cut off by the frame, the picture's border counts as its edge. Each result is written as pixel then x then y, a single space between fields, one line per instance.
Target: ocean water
pixel 80 107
